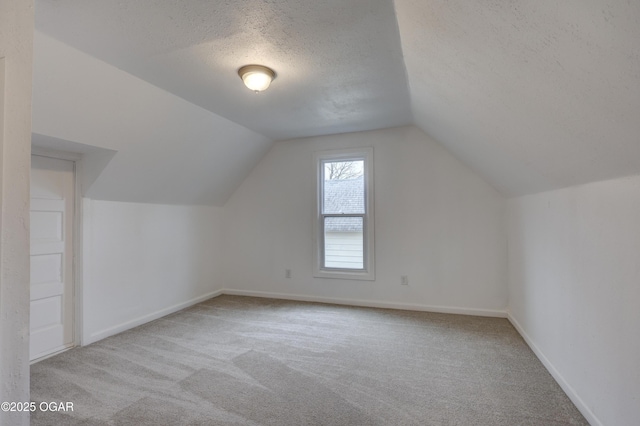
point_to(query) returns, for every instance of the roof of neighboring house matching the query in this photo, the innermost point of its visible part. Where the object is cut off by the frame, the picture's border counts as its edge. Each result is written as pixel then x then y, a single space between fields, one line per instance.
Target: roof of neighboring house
pixel 344 196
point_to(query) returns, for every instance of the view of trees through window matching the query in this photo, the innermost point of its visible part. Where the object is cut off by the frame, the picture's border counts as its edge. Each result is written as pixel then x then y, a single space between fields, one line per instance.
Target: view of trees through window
pixel 343 211
pixel 343 170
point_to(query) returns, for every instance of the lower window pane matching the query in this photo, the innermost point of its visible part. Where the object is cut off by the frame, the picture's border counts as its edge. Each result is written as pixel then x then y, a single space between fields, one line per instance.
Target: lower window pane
pixel 343 243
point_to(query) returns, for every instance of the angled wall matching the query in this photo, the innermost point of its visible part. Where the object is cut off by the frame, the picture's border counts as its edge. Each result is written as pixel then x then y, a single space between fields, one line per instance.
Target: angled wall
pixel 169 151
pixel 154 167
pixel 435 221
pixel 535 96
pixel 574 274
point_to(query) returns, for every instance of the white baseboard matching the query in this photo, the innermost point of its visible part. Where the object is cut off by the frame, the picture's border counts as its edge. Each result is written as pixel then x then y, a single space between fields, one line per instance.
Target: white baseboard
pixel 369 303
pixel 99 335
pixel 566 387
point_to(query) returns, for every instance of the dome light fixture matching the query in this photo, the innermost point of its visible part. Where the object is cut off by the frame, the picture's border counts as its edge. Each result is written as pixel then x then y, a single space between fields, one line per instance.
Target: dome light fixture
pixel 256 77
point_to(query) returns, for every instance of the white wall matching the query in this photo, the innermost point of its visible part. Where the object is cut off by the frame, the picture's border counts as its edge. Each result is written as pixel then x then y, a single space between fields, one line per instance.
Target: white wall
pixel 574 289
pixel 436 221
pixel 169 151
pixel 143 261
pixel 16 48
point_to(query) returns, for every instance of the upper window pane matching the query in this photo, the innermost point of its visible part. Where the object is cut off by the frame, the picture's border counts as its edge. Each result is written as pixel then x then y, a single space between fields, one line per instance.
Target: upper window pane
pixel 343 187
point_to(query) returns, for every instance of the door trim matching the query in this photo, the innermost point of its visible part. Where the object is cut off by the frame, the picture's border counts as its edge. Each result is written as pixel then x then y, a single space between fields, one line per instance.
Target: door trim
pixel 76 159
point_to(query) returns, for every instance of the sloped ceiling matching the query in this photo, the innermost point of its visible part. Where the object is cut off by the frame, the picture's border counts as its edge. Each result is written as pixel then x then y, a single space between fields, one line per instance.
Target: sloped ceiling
pixel 167 150
pixel 338 63
pixel 532 95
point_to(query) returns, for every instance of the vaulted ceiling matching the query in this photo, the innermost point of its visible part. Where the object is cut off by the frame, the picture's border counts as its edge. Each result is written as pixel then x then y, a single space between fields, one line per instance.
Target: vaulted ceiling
pixel 532 95
pixel 339 63
pixel 535 95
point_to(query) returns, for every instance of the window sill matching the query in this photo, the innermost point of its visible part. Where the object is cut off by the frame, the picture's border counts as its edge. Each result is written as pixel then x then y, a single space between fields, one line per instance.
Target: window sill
pixel 344 275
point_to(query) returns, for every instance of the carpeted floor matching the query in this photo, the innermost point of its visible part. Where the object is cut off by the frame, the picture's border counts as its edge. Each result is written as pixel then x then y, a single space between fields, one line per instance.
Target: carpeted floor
pixel 248 361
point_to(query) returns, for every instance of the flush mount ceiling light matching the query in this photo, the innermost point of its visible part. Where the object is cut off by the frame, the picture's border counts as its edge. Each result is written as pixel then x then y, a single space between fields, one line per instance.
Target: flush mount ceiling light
pixel 256 77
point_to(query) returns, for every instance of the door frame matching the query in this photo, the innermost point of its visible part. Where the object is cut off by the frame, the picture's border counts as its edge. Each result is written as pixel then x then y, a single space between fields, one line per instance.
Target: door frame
pixel 76 159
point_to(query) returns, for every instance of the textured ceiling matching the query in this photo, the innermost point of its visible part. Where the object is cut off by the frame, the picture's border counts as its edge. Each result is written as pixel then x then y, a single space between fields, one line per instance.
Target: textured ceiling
pixel 139 143
pixel 533 95
pixel 339 63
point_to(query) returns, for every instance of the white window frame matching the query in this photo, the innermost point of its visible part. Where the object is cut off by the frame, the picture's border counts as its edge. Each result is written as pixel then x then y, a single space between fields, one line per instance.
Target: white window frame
pixel 319 158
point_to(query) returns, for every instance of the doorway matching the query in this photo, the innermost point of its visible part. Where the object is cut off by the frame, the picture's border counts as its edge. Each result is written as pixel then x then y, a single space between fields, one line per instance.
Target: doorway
pixel 52 256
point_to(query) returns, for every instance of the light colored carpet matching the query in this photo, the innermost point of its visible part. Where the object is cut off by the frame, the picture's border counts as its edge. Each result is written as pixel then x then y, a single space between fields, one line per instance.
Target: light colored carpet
pixel 248 361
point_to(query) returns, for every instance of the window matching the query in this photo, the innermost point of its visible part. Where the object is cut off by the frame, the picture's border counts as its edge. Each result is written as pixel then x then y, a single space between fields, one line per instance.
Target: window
pixel 344 214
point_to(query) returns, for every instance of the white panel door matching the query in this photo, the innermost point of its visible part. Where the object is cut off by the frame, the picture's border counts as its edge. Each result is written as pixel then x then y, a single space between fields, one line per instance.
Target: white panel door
pixel 52 208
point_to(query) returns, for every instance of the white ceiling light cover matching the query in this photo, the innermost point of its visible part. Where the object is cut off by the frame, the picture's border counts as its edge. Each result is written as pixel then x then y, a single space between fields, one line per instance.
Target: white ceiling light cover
pixel 256 77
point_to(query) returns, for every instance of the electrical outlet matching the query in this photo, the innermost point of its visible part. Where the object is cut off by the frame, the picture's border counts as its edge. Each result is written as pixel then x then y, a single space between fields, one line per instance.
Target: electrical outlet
pixel 404 280
pixel 287 273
